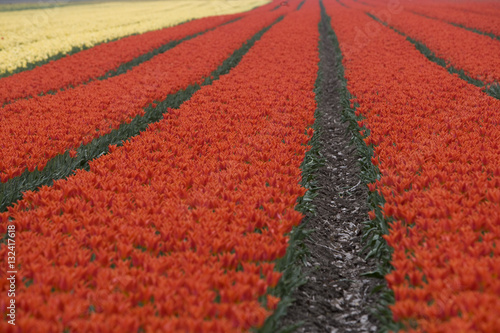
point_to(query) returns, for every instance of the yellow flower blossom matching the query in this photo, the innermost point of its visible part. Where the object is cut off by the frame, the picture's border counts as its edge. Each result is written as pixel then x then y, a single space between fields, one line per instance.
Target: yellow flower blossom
pixel 32 35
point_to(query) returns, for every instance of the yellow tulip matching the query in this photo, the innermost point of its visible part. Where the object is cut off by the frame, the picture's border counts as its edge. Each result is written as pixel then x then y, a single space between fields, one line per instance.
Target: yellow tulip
pixel 32 35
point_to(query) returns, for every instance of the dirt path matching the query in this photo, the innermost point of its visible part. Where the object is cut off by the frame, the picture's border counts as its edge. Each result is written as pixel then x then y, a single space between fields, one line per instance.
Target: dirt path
pixel 336 298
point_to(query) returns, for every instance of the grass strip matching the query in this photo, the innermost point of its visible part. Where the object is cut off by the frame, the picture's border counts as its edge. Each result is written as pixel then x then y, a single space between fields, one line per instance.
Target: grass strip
pixel 62 166
pixel 376 228
pixel 342 4
pixel 491 89
pixel 275 8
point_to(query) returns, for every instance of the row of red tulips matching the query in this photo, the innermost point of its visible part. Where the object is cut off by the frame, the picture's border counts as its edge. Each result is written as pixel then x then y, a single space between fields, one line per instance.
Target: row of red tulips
pixel 95 62
pixel 487 7
pixel 177 230
pixel 475 54
pixel 479 15
pixel 482 16
pixel 436 142
pixel 38 129
pixel 76 69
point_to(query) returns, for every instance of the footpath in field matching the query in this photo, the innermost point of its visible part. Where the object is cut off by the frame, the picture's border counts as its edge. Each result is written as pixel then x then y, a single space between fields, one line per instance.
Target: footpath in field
pixel 436 141
pixel 178 229
pixel 337 296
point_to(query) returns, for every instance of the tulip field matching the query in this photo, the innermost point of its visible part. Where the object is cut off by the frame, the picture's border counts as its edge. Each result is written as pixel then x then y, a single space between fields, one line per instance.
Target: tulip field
pixel 156 160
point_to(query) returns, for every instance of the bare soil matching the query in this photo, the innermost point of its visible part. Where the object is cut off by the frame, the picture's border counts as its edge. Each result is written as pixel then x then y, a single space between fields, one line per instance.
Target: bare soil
pixel 336 297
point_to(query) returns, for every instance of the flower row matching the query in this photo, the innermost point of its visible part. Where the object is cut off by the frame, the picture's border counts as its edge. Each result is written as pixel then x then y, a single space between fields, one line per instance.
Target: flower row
pixel 37 129
pixel 436 143
pixel 95 62
pixel 177 230
pixel 30 36
pixel 479 15
pixel 475 54
pixel 482 16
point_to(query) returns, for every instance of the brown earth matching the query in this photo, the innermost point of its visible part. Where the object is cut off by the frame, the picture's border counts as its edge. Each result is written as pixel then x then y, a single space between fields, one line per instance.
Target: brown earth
pixel 336 297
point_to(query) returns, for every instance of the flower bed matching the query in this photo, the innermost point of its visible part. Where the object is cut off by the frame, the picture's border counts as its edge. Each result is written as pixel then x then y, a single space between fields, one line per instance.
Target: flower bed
pixel 32 36
pixel 178 229
pixel 38 129
pixel 92 63
pixel 473 53
pixel 480 16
